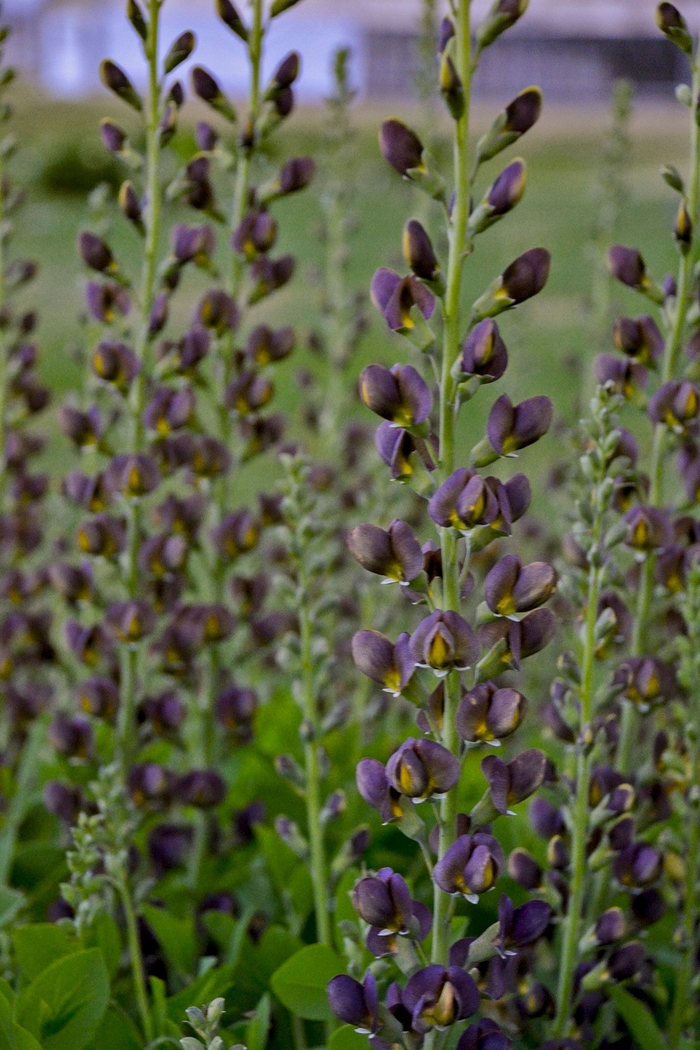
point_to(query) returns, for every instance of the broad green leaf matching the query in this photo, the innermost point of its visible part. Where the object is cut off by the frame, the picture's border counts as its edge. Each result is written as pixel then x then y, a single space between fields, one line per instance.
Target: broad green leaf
pixel 275 947
pixel 65 1004
pixel 12 1036
pixel 40 944
pixel 176 936
pixel 300 983
pixel 117 1032
pixel 104 934
pixel 258 1028
pixel 162 1025
pixel 6 990
pixel 638 1018
pixel 346 1038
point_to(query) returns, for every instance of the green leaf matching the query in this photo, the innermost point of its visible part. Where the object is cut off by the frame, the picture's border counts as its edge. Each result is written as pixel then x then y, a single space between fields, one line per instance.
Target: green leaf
pixel 638 1019
pixel 65 1004
pixel 11 901
pixel 40 944
pixel 346 1038
pixel 104 934
pixel 344 911
pixel 176 936
pixel 12 1036
pixel 117 1032
pixel 300 983
pixel 258 1028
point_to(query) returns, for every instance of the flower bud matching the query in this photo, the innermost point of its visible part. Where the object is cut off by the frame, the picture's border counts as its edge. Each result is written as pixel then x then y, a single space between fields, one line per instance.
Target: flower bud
pixel 512 122
pixel 503 14
pixel 672 24
pixel 95 253
pixel 524 869
pixel 610 927
pixel 683 228
pixel 230 16
pixel 628 267
pixel 206 87
pixel 116 364
pixel 115 79
pixel 525 277
pixel 502 197
pixel 180 51
pixel 648 528
pixel 71 737
pixel 216 310
pixel 401 147
pixel 451 87
pixel 112 136
pixel 133 476
pixel 418 252
pixel 135 16
pixel 130 205
pixel 106 302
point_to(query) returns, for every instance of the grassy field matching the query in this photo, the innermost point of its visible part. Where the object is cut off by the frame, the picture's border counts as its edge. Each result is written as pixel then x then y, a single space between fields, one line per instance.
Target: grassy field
pixel 60 141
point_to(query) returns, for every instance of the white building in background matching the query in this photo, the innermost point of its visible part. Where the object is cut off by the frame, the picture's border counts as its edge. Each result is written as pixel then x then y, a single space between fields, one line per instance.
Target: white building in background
pixel 574 48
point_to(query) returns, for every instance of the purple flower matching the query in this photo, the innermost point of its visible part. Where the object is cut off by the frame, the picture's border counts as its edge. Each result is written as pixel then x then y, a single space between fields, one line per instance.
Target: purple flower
pixel 374 787
pixel 444 641
pixel 383 900
pixel 422 769
pixel 512 782
pixel 489 713
pixel 390 665
pixel 395 297
pixel 437 997
pixel 394 553
pixel 639 338
pixel 510 587
pixel 355 1003
pixel 512 427
pixel 485 1035
pixel 484 353
pixel 401 147
pixel 470 866
pixel 418 252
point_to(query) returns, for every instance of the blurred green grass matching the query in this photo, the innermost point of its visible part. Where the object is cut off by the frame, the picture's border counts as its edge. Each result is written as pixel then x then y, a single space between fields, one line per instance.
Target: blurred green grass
pixel 564 159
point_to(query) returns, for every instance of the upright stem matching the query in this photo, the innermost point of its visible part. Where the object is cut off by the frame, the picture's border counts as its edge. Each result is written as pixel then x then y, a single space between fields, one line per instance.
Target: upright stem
pixel 126 727
pixel 672 349
pixel 583 780
pixel 681 1018
pixel 132 935
pixel 317 861
pixel 458 247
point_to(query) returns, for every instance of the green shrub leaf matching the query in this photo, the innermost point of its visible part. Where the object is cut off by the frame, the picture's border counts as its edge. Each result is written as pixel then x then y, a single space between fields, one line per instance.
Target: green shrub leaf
pixel 64 1005
pixel 638 1018
pixel 300 983
pixel 346 1038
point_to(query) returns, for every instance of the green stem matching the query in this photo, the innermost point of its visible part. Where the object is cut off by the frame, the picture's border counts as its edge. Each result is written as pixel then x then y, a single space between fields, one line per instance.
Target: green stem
pixel 656 470
pixel 458 247
pixel 126 728
pixel 139 977
pixel 584 762
pixel 317 859
pixel 27 778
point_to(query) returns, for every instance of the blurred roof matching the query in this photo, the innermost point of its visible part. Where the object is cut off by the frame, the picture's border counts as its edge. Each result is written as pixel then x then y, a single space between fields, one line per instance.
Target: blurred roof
pixel 607 18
